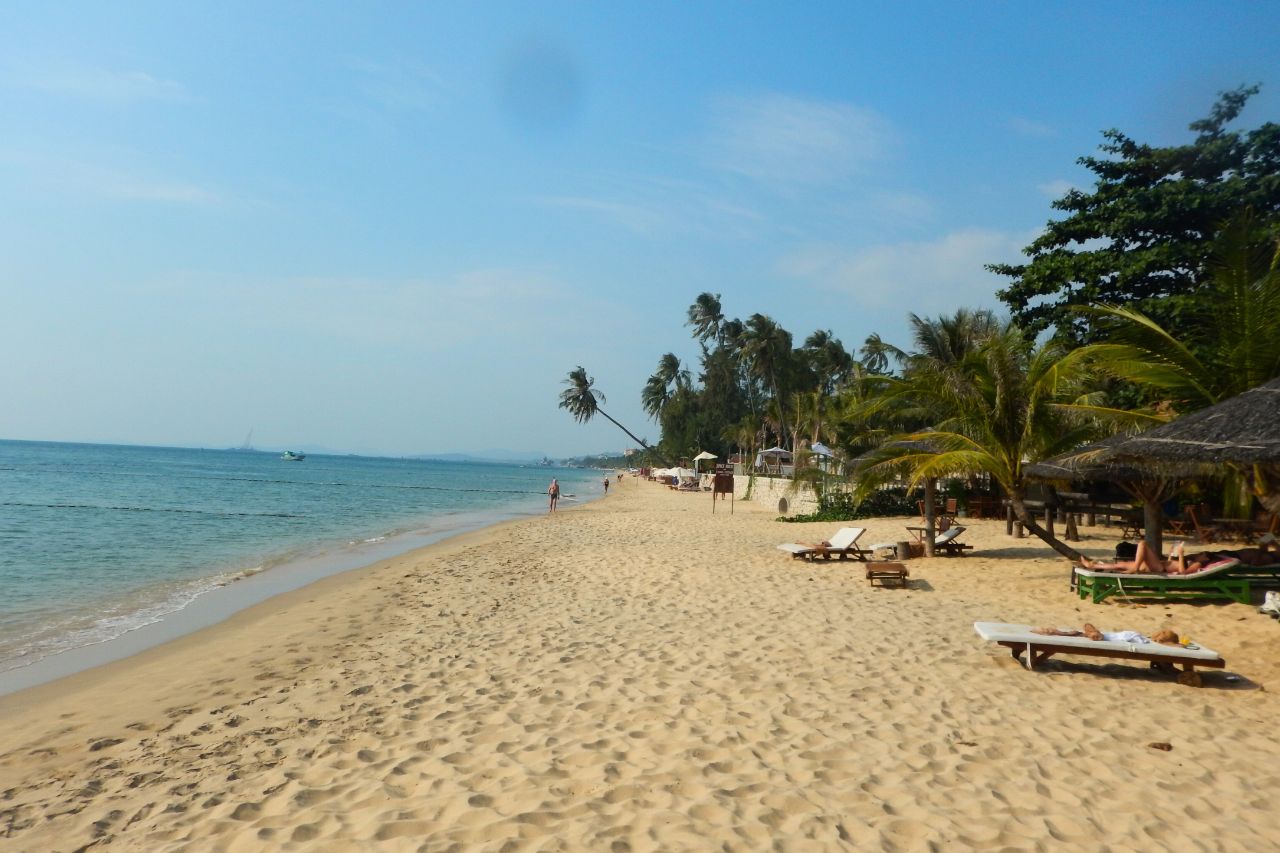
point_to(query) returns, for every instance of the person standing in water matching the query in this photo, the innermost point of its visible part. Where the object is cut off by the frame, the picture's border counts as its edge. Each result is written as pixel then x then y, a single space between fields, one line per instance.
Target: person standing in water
pixel 606 485
pixel 554 491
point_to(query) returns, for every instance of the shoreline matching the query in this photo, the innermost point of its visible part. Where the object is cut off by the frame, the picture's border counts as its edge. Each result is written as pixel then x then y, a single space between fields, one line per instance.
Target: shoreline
pixel 244 591
pixel 641 672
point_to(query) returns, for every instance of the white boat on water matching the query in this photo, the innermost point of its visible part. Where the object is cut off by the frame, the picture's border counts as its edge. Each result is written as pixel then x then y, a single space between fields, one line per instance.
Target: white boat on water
pixel 290 456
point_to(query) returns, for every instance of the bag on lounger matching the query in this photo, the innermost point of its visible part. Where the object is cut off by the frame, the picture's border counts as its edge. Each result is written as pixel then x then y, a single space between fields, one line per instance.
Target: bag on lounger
pixel 1126 551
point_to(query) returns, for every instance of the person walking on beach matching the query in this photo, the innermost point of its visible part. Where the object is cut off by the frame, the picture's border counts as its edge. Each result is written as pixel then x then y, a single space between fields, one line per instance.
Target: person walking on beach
pixel 554 491
pixel 606 485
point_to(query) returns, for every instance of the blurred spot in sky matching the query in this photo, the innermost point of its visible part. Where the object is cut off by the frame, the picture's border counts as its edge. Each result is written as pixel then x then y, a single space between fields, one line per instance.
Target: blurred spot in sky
pixel 539 87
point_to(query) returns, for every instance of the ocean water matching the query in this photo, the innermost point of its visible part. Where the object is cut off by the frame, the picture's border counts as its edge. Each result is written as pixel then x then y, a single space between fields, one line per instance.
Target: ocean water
pixel 99 540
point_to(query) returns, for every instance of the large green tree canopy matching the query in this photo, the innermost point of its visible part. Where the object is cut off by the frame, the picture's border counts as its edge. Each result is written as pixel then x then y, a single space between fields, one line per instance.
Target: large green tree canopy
pixel 1143 235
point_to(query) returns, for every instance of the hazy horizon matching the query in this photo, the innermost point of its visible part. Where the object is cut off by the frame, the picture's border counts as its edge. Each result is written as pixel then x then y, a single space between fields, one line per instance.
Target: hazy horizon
pixel 397 231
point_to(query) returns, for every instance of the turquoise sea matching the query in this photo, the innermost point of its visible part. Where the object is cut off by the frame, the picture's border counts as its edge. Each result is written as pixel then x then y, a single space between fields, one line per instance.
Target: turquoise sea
pixel 99 540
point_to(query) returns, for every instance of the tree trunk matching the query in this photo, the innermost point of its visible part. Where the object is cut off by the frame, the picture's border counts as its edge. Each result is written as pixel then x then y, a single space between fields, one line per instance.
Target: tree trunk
pixel 1153 525
pixel 638 441
pixel 930 515
pixel 1016 499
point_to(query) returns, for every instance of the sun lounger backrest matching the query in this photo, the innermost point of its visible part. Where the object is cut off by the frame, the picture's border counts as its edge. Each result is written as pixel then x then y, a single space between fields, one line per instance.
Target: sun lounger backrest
pixel 950 534
pixel 846 537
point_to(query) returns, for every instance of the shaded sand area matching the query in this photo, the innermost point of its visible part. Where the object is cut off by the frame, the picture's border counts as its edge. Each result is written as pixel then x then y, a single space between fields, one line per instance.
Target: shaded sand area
pixel 638 674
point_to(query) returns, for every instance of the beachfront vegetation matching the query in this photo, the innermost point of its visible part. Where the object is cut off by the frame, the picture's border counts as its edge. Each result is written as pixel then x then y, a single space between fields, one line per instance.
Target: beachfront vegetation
pixel 1229 340
pixel 1142 235
pixel 995 400
pixel 1157 294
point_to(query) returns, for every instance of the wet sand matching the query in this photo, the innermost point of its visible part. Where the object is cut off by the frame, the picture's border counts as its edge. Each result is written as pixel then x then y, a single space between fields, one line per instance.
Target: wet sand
pixel 639 674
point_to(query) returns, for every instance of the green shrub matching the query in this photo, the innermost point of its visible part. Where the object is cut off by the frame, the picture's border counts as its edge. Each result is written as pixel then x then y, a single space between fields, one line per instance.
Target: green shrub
pixel 840 506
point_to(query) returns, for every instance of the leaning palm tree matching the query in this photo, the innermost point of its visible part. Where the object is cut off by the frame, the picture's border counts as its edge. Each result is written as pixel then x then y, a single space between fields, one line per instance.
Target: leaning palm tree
pixel 583 401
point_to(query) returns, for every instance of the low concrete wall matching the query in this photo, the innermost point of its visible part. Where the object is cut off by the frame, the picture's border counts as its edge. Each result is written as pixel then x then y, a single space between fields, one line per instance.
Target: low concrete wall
pixel 768 491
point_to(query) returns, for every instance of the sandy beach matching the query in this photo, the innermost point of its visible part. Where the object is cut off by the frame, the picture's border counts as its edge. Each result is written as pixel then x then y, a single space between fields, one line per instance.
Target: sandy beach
pixel 640 674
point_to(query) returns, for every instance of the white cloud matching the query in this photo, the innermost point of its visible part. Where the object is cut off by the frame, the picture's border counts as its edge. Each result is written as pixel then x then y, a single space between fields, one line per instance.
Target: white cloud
pixel 1056 189
pixel 1029 127
pixel 783 140
pixel 98 84
pixel 635 217
pixel 925 277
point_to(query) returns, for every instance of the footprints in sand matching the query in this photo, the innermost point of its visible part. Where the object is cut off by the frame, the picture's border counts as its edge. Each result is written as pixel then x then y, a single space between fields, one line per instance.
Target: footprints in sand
pixel 521 695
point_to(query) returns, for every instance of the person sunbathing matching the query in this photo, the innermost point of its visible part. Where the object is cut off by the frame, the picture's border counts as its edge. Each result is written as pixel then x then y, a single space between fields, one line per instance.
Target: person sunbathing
pixel 1162 636
pixel 1147 561
pixel 1264 555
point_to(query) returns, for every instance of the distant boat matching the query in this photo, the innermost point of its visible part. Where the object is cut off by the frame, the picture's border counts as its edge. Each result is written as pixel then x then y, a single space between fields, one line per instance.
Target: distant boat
pixel 290 456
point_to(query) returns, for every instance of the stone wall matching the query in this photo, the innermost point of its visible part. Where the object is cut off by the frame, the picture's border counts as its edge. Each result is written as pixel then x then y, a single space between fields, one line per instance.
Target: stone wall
pixel 768 491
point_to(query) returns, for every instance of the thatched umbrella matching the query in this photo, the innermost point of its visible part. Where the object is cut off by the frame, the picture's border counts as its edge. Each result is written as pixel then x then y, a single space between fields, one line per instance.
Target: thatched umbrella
pixel 1097 462
pixel 1243 431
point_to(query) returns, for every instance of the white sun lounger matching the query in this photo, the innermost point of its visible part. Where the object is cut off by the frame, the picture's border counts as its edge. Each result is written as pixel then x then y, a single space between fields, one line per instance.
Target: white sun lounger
pixel 1038 648
pixel 843 544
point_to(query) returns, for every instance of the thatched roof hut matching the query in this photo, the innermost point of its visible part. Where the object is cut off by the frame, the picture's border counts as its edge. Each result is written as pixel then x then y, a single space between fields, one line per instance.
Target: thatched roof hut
pixel 1096 462
pixel 1243 430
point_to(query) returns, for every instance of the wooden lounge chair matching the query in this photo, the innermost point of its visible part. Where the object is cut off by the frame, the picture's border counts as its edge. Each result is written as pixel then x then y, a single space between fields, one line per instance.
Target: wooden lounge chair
pixel 1199 516
pixel 947 543
pixel 1038 648
pixel 843 544
pixel 1217 580
pixel 888 574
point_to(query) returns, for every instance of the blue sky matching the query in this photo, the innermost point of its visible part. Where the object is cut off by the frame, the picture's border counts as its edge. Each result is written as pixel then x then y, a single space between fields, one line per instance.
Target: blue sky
pixel 395 228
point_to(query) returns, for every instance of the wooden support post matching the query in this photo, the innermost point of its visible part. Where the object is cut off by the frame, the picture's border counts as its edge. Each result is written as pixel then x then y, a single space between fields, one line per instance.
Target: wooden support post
pixel 1008 520
pixel 1073 535
pixel 930 514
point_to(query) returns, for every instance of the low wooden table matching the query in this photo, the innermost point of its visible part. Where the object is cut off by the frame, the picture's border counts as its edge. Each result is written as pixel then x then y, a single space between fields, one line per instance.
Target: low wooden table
pixel 888 574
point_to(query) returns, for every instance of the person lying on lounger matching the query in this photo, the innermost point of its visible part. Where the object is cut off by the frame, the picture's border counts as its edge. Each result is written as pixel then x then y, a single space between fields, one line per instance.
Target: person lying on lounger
pixel 1147 561
pixel 1162 636
pixel 1264 555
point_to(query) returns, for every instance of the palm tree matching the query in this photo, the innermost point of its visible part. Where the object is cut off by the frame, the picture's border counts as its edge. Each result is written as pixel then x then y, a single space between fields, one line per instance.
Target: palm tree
pixel 766 352
pixel 706 318
pixel 997 403
pixel 828 359
pixel 876 354
pixel 658 390
pixel 946 340
pixel 583 401
pixel 1231 341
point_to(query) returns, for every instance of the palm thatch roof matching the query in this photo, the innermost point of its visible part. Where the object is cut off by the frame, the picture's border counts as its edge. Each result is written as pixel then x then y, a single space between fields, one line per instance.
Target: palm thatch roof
pixel 1243 430
pixel 1092 462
